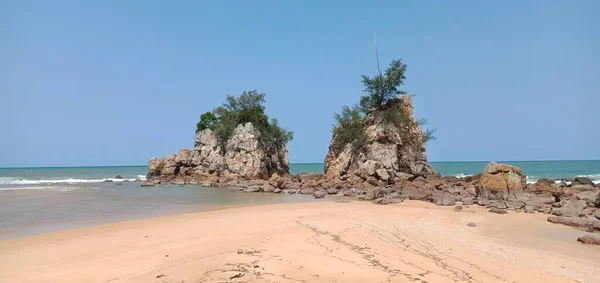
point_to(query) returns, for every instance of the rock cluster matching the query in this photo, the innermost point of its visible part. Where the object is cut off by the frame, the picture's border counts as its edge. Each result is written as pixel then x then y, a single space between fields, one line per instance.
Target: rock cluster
pixel 386 156
pixel 241 157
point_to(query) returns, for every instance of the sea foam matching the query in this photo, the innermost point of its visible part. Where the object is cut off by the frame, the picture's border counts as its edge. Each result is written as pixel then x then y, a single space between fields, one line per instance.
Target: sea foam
pixel 20 181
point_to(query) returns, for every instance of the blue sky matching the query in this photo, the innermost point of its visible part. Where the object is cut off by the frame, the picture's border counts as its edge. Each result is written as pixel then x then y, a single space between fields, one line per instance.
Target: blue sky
pixel 117 82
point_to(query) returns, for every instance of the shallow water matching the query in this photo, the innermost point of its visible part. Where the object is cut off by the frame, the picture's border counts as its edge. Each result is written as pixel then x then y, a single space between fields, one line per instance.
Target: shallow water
pixel 30 212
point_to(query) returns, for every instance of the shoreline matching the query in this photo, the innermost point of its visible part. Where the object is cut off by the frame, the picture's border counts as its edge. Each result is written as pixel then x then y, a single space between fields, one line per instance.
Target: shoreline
pixel 325 241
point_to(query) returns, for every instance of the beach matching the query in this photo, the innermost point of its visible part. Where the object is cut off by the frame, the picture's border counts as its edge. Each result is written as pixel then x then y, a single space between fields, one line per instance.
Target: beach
pixel 331 241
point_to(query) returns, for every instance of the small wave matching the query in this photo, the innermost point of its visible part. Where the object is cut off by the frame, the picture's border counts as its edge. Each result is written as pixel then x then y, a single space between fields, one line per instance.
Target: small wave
pixel 26 188
pixel 595 177
pixel 17 181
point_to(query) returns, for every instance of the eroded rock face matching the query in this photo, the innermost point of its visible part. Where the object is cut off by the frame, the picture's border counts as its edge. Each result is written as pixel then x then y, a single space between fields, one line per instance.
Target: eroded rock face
pixel 242 157
pixel 501 182
pixel 386 154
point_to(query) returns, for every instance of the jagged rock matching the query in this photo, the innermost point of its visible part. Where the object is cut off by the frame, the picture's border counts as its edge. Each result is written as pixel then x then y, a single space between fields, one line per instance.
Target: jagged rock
pixel 332 191
pixel 597 214
pixel 471 190
pixel 277 190
pixel 588 222
pixel 319 194
pixel 589 239
pixel 582 181
pixel 107 181
pixel 570 208
pixel 276 180
pixel 498 211
pixel 585 187
pixel 307 191
pixel 467 201
pixel 498 204
pixel 483 201
pixel 501 182
pixel 514 204
pixel 590 197
pixel 458 208
pixel 384 148
pixel 242 156
pixel 118 177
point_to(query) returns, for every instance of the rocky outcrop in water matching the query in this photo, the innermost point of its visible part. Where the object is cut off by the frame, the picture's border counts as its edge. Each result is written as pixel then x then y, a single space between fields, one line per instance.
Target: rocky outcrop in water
pixel 241 157
pixel 388 155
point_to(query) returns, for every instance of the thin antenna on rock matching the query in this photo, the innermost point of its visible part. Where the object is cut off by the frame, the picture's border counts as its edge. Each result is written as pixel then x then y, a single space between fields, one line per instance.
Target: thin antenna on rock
pixel 376 53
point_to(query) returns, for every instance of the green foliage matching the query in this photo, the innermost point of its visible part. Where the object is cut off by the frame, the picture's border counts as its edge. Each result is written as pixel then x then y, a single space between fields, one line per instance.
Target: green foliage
pixel 382 90
pixel 381 100
pixel 248 107
pixel 206 120
pixel 349 129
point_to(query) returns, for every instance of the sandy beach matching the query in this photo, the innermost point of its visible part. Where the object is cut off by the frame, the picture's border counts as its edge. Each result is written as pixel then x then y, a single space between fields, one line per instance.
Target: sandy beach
pixel 309 242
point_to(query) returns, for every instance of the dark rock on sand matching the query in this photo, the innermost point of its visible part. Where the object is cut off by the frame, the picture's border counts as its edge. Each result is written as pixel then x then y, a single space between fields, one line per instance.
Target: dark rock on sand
pixel 458 208
pixel 589 239
pixel 529 209
pixel 498 211
pixel 471 224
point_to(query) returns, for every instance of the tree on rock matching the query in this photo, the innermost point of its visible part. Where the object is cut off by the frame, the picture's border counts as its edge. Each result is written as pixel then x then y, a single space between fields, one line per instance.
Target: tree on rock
pixel 380 129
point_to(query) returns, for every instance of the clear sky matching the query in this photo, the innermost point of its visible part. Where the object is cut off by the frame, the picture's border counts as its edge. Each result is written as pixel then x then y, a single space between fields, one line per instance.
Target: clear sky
pixel 117 82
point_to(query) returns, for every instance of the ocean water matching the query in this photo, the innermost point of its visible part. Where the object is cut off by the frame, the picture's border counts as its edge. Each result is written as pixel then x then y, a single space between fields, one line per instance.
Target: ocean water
pixel 39 200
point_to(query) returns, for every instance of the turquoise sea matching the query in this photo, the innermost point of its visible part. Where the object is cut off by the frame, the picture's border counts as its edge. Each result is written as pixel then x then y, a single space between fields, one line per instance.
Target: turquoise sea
pixel 44 177
pixel 39 200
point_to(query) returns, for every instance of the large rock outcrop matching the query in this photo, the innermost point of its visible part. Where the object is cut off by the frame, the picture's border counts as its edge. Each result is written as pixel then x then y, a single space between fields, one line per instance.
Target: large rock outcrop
pixel 390 153
pixel 241 157
pixel 501 182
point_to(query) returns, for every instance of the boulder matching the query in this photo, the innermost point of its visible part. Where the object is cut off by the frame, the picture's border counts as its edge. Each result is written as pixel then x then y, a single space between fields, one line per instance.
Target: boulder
pixel 529 209
pixel 443 199
pixel 585 222
pixel 267 188
pixel 582 181
pixel 501 182
pixel 118 177
pixel 374 193
pixel 276 180
pixel 396 150
pixel 332 191
pixel 570 208
pixel 589 240
pixel 597 214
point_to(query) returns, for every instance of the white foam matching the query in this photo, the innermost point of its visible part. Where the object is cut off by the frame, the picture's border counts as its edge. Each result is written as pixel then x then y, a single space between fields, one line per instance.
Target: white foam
pixel 18 181
pixel 26 188
pixel 462 175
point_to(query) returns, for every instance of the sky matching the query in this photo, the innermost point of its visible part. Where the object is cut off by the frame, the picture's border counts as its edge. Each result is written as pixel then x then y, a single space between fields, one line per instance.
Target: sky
pixel 117 82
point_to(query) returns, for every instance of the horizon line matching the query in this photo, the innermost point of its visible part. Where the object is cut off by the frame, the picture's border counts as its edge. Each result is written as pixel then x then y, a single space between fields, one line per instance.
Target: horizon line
pixel 143 165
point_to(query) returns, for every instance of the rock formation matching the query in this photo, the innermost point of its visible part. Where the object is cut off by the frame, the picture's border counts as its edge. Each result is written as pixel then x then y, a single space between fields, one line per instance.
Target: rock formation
pixel 388 154
pixel 501 182
pixel 241 157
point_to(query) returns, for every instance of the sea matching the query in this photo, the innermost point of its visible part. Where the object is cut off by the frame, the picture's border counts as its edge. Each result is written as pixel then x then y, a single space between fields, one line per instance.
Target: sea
pixel 45 199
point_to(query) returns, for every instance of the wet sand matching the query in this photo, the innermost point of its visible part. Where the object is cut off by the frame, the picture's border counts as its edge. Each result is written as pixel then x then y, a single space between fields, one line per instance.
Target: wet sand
pixel 309 242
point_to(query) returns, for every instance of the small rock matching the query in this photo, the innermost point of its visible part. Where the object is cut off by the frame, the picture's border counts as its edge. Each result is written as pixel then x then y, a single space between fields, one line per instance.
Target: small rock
pixel 597 214
pixel 467 201
pixel 277 190
pixel 582 181
pixel 118 177
pixel 319 194
pixel 268 188
pixel 589 239
pixel 458 208
pixel 471 224
pixel 240 251
pixel 307 191
pixel 108 181
pixel 251 190
pixel 166 255
pixel 332 191
pixel 498 210
pixel 147 184
pixel 529 208
pixel 291 191
pixel 138 180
